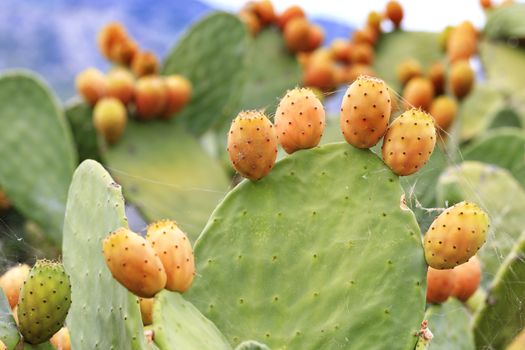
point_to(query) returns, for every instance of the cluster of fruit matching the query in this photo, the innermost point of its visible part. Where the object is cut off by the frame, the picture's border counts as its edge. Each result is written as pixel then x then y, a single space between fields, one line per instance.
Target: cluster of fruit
pixel 133 85
pixel 40 298
pixel 345 60
pixel 145 266
pixel 450 245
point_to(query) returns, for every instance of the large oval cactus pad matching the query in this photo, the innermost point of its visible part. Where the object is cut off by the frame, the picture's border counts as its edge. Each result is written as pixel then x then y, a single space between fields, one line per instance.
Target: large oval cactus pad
pixel 36 151
pixel 212 56
pixel 103 314
pixel 317 255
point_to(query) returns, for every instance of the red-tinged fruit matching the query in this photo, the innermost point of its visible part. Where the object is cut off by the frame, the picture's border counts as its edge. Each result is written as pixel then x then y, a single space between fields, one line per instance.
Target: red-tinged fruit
pixel 394 12
pixel 341 50
pixel 468 277
pixel 110 118
pixel 144 63
pixel 61 339
pixel 290 13
pixel 252 144
pixel 146 310
pixel 175 252
pixel 151 97
pixel 365 111
pixel 110 35
pixel 444 110
pixel 409 142
pixel 315 37
pixel 178 90
pixel 455 235
pixel 251 21
pixel 121 84
pixel 485 4
pixel 299 120
pixel 362 54
pixel 134 263
pixel 265 11
pixel 408 69
pixel 123 52
pixel 11 282
pixel 419 92
pixel 92 85
pixel 436 74
pixel 297 34
pixel 461 79
pixel 440 284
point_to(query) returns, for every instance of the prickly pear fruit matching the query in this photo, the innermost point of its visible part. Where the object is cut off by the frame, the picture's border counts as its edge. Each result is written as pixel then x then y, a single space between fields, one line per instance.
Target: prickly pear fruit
pixel 251 21
pixel 468 276
pixel 297 34
pixel 408 69
pixel 320 74
pixel 5 203
pixel 341 50
pixel 12 281
pixel 462 42
pixel 486 4
pixel 409 142
pixel 134 263
pixel 112 34
pixel 461 78
pixel 144 63
pixel 124 51
pixel 91 84
pixel 315 37
pixel 299 120
pixel 365 111
pixel 356 70
pixel 252 144
pixel 61 339
pixel 252 345
pixel 418 92
pixel 150 97
pixel 44 301
pixel 436 74
pixel 265 11
pixel 175 252
pixel 367 35
pixel 444 110
pixel 362 53
pixel 394 12
pixel 440 284
pixel 455 235
pixel 373 20
pixel 146 310
pixel 2 346
pixel 120 85
pixel 178 91
pixel 287 15
pixel 110 118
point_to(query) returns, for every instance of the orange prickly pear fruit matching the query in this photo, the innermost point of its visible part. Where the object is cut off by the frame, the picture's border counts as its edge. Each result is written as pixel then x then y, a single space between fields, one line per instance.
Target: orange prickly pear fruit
pixel 120 85
pixel 265 11
pixel 297 34
pixel 290 13
pixel 144 63
pixel 461 78
pixel 468 277
pixel 151 97
pixel 444 110
pixel 408 69
pixel 146 310
pixel 251 21
pixel 362 53
pixel 11 282
pixel 112 34
pixel 110 118
pixel 436 74
pixel 178 91
pixel 394 12
pixel 61 340
pixel 440 284
pixel 419 92
pixel 92 85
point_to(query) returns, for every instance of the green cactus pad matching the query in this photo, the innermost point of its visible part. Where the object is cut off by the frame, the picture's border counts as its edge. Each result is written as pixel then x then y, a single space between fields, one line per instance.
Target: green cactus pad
pixel 212 55
pixel 37 152
pixel 44 301
pixel 504 66
pixel 489 187
pixel 252 345
pixel 500 319
pixel 506 22
pixel 79 115
pixel 503 147
pixel 167 175
pixel 272 70
pixel 392 48
pixel 104 315
pixel 8 330
pixel 478 111
pixel 179 325
pixel 43 346
pixel 450 324
pixel 319 254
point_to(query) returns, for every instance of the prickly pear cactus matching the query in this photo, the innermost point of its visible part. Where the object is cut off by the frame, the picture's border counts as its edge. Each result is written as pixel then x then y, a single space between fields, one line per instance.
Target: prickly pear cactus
pixel 339 259
pixel 488 186
pixel 212 55
pixel 504 66
pixel 506 22
pixel 500 318
pixel 38 157
pixel 167 174
pixel 179 325
pixel 450 324
pixel 8 331
pixel 79 116
pixel 104 314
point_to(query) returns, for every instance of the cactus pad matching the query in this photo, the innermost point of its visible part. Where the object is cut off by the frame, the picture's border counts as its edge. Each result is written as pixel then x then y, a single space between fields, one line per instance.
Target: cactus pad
pixel 179 325
pixel 103 315
pixel 506 22
pixel 504 66
pixel 322 277
pixel 8 331
pixel 450 324
pixel 167 174
pixel 79 115
pixel 38 157
pixel 212 56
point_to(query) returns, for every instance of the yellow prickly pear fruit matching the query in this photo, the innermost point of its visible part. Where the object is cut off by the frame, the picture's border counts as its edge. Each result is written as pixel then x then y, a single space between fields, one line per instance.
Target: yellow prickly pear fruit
pixel 461 78
pixel 110 118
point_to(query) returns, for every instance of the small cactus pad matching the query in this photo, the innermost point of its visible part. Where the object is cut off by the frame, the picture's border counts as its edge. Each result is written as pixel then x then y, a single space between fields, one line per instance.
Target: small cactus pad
pixel 450 324
pixel 290 219
pixel 8 331
pixel 456 235
pixel 166 174
pixel 212 56
pixel 488 186
pixel 44 301
pixel 37 152
pixel 104 315
pixel 179 325
pixel 500 318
